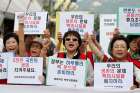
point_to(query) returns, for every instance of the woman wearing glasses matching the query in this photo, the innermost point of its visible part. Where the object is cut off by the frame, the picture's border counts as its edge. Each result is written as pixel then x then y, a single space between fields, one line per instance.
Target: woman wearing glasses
pixel 72 42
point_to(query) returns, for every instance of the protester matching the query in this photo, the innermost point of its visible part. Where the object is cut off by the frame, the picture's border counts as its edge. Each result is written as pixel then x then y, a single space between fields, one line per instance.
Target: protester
pixel 118 51
pixel 14 42
pixel 134 53
pixel 36 47
pixel 83 48
pixel 72 42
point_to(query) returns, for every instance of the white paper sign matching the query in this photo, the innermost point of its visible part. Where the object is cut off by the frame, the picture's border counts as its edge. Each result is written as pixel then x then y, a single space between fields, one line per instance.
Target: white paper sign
pixel 4 59
pixel 81 22
pixel 66 72
pixel 129 20
pixel 34 22
pixel 113 75
pixel 107 25
pixel 25 70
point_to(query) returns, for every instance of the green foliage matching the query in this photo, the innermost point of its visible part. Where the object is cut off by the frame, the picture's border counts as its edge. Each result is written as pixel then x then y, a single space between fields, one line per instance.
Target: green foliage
pixel 46 7
pixel 97 23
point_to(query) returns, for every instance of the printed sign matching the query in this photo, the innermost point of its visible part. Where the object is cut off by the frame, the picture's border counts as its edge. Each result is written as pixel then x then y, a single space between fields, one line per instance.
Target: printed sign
pixel 81 22
pixel 66 72
pixel 117 75
pixel 34 22
pixel 25 70
pixel 107 25
pixel 129 20
pixel 5 57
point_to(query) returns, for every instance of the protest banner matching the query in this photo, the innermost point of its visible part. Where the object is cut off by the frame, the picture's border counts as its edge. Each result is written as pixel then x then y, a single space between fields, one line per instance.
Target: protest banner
pixel 66 72
pixel 81 22
pixel 129 20
pixel 25 70
pixel 117 75
pixel 34 22
pixel 5 57
pixel 107 25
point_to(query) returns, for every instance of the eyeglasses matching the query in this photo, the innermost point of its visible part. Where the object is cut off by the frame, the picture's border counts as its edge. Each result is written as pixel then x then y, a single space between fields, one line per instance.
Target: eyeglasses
pixel 73 39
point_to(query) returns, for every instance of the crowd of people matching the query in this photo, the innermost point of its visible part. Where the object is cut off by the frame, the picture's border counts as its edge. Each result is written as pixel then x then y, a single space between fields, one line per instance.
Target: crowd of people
pixel 121 49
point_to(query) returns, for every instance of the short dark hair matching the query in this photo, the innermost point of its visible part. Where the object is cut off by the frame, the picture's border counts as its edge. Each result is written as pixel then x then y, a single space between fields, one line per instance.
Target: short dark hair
pixel 118 37
pixel 9 35
pixel 74 33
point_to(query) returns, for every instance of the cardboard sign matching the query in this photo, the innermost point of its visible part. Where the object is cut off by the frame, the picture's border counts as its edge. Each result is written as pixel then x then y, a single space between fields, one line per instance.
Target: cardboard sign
pixel 34 22
pixel 117 75
pixel 66 72
pixel 107 25
pixel 81 22
pixel 129 20
pixel 25 70
pixel 5 57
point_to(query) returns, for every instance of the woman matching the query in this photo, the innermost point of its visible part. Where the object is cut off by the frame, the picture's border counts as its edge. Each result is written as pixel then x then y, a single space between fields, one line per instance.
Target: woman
pixel 133 47
pixel 14 42
pixel 72 42
pixel 118 49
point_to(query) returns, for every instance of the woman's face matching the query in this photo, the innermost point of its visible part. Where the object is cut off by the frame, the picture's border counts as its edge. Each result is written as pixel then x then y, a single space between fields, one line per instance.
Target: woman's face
pixel 35 50
pixel 119 50
pixel 133 45
pixel 11 45
pixel 71 43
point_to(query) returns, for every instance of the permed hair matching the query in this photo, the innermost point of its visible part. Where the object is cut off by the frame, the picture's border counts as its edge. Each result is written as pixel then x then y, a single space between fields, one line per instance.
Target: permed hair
pixel 114 39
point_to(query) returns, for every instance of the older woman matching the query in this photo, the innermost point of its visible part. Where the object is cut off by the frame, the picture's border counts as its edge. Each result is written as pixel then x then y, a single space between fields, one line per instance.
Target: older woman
pixel 72 42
